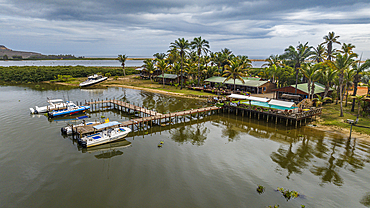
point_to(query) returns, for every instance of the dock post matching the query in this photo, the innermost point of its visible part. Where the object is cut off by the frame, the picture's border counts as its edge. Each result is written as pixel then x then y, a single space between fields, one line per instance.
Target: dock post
pixel 267 118
pixel 276 119
pixel 286 121
pixel 72 132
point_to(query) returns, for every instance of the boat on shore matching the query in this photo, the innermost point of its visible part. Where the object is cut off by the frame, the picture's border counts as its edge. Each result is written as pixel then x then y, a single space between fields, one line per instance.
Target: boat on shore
pixel 72 109
pixel 54 104
pixel 110 134
pixel 91 80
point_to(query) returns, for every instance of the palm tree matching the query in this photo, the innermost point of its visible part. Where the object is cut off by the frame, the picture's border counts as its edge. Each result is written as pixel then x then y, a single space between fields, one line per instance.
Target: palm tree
pixel 200 45
pixel 347 48
pixel 359 98
pixel 235 70
pixel 348 78
pixel 359 70
pixel 181 45
pixel 327 75
pixel 272 60
pixel 319 100
pixel 298 56
pixel 159 56
pixel 318 54
pixel 149 67
pixel 162 65
pixel 311 73
pixel 329 40
pixel 341 64
pixel 122 59
pixel 218 60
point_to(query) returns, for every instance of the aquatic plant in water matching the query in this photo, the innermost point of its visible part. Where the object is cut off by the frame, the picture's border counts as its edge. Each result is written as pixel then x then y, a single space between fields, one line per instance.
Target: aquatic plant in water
pixel 288 194
pixel 260 189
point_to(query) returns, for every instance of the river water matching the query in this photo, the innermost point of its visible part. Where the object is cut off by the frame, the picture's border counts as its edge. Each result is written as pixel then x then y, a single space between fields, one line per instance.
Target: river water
pixel 217 161
pixel 98 63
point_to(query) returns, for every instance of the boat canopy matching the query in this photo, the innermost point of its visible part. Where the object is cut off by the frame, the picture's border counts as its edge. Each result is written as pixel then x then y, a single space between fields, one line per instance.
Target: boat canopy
pixel 56 101
pixel 106 125
pixel 244 97
pixel 281 103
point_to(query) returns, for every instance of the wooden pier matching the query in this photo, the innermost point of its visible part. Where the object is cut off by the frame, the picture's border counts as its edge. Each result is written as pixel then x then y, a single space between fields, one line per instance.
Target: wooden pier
pixel 148 118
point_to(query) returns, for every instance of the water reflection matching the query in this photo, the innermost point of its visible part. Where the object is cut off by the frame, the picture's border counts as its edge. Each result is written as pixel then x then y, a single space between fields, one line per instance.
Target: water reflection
pixel 302 149
pixel 195 134
pixel 109 150
pixel 366 200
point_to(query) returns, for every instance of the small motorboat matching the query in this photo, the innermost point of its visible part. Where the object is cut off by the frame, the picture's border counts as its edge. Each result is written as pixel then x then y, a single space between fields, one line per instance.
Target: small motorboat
pixel 91 80
pixel 72 109
pixel 105 136
pixel 54 104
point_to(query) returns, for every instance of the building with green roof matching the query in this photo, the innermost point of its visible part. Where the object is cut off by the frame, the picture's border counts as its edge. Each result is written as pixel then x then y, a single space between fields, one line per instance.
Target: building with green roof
pixel 251 84
pixel 288 92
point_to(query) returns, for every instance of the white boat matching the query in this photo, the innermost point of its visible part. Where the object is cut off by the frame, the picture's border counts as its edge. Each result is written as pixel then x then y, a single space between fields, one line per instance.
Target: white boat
pixel 72 109
pixel 91 80
pixel 54 104
pixel 105 136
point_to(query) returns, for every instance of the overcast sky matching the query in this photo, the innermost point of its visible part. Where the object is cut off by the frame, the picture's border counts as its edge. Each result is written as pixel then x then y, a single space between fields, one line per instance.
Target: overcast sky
pixel 96 28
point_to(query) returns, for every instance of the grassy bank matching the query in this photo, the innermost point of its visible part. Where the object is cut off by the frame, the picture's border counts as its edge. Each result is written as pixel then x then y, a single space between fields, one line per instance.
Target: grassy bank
pixel 330 117
pixel 134 81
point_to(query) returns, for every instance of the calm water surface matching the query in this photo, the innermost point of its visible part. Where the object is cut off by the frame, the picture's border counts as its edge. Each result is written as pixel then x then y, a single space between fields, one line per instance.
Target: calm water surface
pixel 217 161
pixel 112 63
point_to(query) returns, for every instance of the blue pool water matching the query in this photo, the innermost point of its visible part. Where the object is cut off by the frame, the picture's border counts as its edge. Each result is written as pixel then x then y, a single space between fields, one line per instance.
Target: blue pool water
pixel 266 105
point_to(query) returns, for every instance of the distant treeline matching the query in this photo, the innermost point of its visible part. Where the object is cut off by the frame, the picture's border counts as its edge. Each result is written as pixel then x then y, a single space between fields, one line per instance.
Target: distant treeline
pixel 46 73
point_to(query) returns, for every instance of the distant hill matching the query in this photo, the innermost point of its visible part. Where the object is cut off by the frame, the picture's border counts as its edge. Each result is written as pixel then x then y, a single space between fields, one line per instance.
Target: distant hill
pixel 10 53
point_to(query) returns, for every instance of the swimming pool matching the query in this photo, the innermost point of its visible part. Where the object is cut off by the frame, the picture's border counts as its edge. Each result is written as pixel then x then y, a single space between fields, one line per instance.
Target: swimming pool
pixel 266 105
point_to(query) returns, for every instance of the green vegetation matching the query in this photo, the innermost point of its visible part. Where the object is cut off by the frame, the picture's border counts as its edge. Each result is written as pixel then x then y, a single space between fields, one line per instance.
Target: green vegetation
pixel 25 74
pixel 329 116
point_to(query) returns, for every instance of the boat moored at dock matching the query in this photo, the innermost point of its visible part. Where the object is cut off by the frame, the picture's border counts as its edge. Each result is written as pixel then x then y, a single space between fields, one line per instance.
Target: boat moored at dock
pixel 72 109
pixel 54 104
pixel 109 134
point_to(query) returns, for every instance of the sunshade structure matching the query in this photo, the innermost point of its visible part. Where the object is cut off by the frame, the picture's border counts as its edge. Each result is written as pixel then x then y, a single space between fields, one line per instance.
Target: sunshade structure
pixel 244 97
pixel 106 125
pixel 281 103
pixel 251 84
pixel 169 78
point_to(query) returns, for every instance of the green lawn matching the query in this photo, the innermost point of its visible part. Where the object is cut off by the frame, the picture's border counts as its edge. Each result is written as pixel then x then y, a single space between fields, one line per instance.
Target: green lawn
pixel 330 116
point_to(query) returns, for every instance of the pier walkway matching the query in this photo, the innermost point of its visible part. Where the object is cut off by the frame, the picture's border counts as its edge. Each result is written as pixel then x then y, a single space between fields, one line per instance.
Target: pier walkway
pixel 148 119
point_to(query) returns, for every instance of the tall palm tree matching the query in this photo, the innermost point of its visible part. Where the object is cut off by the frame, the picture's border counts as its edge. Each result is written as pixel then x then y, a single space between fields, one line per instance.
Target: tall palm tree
pixel 181 45
pixel 329 40
pixel 298 56
pixel 359 70
pixel 235 70
pixel 122 59
pixel 348 81
pixel 318 54
pixel 200 45
pixel 341 64
pixel 311 73
pixel 162 65
pixel 327 75
pixel 149 67
pixel 218 60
